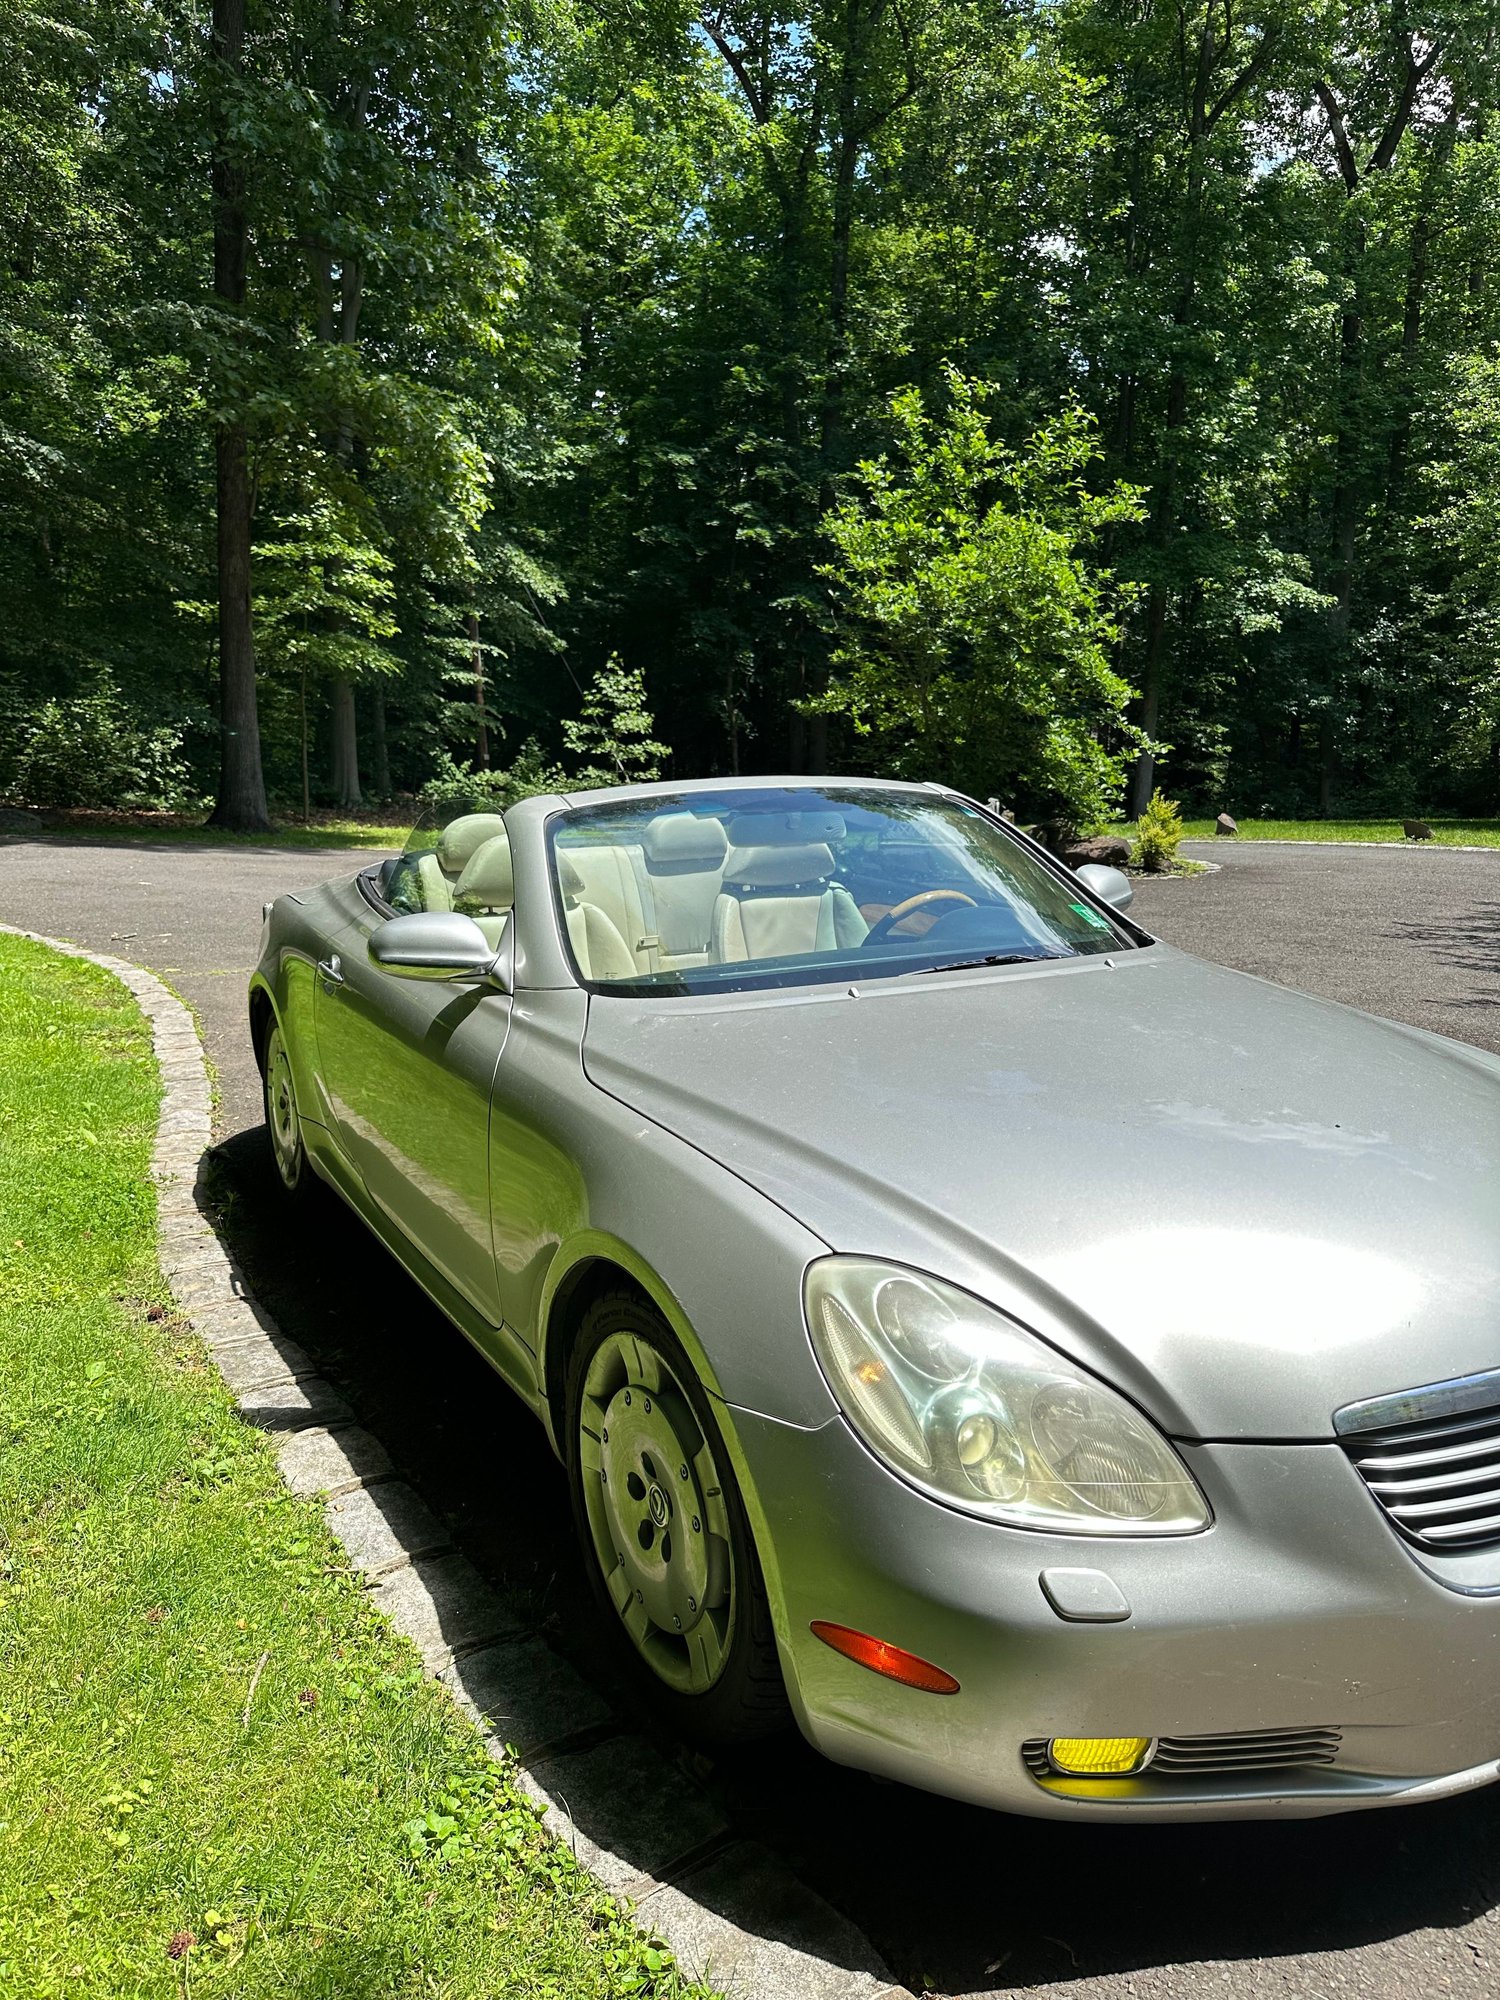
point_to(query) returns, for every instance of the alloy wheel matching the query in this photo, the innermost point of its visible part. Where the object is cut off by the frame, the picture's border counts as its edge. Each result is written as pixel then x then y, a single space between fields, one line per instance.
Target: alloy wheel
pixel 656 1513
pixel 281 1112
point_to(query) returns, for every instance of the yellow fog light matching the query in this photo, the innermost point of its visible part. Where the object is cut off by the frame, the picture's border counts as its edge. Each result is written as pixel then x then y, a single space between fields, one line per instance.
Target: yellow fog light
pixel 1098 1756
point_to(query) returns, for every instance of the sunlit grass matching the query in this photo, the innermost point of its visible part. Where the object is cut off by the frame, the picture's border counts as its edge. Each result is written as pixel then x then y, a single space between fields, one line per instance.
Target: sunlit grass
pixel 221 1773
pixel 329 831
pixel 1445 832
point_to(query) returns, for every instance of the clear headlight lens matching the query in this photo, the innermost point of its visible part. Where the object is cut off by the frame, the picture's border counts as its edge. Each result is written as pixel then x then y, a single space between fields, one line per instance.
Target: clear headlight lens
pixel 968 1406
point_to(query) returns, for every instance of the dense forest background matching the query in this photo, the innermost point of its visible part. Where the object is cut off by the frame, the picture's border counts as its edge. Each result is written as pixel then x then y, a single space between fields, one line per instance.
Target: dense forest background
pixel 1058 398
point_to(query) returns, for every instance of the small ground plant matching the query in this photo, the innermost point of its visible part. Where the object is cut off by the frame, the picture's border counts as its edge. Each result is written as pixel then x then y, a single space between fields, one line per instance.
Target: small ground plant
pixel 1157 833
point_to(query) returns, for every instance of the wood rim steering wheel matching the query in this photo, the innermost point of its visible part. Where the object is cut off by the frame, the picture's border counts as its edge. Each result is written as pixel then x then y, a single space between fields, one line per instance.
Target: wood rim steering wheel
pixel 883 925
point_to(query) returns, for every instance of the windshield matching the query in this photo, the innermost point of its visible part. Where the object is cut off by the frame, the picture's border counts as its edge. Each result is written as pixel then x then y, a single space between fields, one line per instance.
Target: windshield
pixel 769 886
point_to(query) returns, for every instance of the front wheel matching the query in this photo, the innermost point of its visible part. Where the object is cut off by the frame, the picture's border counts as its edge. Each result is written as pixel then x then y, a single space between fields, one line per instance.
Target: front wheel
pixel 664 1530
pixel 283 1122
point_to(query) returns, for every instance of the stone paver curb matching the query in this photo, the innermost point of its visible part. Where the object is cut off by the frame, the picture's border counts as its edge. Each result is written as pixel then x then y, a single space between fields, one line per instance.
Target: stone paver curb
pixel 733 1913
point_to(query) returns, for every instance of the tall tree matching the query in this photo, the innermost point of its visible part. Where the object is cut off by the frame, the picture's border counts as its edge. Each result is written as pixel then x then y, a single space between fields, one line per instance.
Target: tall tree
pixel 241 800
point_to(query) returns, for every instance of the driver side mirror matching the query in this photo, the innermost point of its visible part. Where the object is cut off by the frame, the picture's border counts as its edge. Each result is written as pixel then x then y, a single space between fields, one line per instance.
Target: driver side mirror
pixel 1110 885
pixel 440 944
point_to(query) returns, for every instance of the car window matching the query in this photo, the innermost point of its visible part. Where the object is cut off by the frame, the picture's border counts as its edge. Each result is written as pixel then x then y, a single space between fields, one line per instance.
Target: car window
pixel 456 860
pixel 781 885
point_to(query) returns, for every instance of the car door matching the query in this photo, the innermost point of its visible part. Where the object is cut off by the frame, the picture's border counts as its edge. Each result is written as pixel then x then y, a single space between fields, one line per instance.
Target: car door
pixel 408 1069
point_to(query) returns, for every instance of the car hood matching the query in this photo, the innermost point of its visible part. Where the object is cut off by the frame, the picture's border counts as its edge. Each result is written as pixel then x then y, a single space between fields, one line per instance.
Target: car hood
pixel 1243 1205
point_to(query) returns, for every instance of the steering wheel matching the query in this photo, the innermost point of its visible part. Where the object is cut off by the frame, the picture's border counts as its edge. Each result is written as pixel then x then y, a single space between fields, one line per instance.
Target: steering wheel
pixel 882 927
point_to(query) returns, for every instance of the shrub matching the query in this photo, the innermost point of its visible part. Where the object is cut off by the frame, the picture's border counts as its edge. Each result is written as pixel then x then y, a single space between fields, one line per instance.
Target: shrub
pixel 1157 833
pixel 91 751
pixel 612 733
pixel 453 788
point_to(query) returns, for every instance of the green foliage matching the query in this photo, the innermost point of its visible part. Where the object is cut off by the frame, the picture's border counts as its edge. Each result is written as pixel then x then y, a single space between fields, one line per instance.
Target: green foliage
pixel 1157 833
pixel 612 731
pixel 456 788
pixel 91 751
pixel 214 1753
pixel 975 632
pixel 580 327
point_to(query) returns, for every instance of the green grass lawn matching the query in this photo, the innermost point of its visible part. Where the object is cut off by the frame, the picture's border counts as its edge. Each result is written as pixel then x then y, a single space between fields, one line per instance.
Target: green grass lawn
pixel 1445 832
pixel 221 1772
pixel 324 830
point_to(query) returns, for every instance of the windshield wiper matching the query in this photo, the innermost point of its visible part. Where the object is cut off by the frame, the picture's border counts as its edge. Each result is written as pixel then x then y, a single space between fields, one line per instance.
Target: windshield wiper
pixel 992 958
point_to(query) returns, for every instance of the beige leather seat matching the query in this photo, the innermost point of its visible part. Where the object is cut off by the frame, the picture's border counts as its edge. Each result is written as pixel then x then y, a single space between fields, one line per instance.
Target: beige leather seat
pixel 682 859
pixel 439 871
pixel 600 950
pixel 611 878
pixel 486 889
pixel 779 898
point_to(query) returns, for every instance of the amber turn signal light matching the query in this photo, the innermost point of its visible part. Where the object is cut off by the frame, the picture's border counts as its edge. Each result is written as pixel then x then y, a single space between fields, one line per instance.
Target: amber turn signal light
pixel 885 1659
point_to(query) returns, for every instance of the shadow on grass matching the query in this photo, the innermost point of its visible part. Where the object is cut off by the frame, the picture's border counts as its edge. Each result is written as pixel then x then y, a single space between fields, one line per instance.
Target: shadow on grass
pixel 972 1901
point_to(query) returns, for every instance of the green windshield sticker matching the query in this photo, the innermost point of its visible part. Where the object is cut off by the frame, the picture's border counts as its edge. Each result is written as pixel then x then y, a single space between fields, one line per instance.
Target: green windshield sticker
pixel 1090 916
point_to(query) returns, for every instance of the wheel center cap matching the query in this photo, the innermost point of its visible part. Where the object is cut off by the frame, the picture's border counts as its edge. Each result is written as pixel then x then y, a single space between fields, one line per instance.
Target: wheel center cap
pixel 656 1501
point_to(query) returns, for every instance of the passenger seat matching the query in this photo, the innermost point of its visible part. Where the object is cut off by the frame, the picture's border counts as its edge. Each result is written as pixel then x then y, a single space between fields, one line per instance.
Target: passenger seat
pixel 683 857
pixel 439 870
pixel 486 888
pixel 600 950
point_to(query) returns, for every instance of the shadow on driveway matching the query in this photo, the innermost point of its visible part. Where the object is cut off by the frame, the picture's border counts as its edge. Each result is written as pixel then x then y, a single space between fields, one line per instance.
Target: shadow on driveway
pixel 971 1901
pixel 1468 943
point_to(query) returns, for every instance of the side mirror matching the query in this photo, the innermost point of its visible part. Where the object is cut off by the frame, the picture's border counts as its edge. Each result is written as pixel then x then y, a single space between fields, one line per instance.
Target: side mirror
pixel 433 944
pixel 1110 885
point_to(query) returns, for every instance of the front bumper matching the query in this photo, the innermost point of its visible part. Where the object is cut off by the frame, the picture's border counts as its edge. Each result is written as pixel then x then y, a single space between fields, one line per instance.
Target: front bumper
pixel 1298 1609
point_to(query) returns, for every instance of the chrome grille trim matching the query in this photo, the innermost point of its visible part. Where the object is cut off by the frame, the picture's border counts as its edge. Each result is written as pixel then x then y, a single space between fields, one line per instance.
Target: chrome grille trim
pixel 1453 1398
pixel 1250 1750
pixel 1437 1477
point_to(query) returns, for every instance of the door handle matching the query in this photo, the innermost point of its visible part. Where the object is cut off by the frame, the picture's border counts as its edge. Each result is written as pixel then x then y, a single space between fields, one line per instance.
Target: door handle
pixel 330 971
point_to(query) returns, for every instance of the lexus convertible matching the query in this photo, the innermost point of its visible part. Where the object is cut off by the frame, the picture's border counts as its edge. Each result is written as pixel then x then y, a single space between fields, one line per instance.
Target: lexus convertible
pixel 1056 1371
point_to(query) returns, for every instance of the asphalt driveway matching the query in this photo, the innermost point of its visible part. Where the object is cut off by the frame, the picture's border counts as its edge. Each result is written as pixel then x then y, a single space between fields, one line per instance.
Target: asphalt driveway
pixel 1384 1905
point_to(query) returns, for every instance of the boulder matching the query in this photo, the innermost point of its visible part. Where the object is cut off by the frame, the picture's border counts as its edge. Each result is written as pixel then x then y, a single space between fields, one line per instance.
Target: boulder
pixel 14 820
pixel 1416 829
pixel 1106 850
pixel 1225 826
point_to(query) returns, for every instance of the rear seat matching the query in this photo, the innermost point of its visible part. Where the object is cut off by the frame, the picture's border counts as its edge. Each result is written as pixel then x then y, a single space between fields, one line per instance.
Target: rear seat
pixel 683 858
pixel 659 896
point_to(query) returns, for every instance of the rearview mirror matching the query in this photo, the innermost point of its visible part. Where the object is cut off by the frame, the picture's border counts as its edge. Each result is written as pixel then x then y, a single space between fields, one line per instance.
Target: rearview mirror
pixel 1110 885
pixel 433 944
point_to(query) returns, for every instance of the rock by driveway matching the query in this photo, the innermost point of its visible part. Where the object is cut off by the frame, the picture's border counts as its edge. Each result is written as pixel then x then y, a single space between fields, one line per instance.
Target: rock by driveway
pixel 1385 1906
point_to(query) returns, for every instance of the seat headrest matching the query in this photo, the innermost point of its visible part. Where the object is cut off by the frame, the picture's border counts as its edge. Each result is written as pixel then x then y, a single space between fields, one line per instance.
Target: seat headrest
pixel 460 838
pixel 488 878
pixel 675 839
pixel 806 866
pixel 784 829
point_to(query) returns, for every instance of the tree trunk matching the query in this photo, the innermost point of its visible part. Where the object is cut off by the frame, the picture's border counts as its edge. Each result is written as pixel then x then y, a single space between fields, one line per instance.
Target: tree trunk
pixel 240 803
pixel 377 730
pixel 481 726
pixel 306 775
pixel 345 760
pixel 1143 776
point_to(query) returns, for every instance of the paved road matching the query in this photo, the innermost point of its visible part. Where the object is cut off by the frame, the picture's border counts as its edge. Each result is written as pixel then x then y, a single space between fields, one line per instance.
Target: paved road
pixel 1383 1906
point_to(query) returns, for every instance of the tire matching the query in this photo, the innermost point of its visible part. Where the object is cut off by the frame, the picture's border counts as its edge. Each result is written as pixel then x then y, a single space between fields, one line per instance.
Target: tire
pixel 667 1545
pixel 284 1123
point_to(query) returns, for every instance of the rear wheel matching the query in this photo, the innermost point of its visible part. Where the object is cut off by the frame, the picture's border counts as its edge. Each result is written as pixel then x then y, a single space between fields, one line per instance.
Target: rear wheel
pixel 283 1121
pixel 664 1530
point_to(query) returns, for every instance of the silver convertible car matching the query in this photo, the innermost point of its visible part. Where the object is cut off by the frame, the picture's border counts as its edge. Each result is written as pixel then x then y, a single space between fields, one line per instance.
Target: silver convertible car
pixel 1062 1373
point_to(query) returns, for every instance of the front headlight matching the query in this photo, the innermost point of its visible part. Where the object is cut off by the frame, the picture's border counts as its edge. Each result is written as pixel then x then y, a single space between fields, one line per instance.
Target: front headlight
pixel 965 1404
